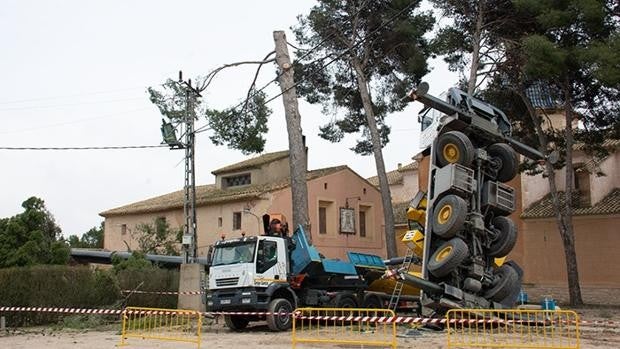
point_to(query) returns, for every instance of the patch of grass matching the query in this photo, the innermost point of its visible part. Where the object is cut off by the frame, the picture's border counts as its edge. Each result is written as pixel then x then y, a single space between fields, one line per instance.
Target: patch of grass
pixel 81 322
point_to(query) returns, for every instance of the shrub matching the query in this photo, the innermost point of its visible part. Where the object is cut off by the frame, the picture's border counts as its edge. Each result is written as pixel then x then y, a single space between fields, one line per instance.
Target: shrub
pixel 55 286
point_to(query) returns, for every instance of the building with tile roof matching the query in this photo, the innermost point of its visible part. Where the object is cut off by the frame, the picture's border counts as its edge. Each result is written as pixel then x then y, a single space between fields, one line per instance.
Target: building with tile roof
pixel 244 191
pixel 596 217
pixel 403 181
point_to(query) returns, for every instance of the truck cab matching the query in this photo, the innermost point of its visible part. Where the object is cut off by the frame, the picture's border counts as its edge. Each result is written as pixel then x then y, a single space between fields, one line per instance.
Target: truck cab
pixel 251 274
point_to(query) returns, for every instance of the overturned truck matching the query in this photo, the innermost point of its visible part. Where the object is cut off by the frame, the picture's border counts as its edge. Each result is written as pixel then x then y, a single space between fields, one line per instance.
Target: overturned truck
pixel 459 226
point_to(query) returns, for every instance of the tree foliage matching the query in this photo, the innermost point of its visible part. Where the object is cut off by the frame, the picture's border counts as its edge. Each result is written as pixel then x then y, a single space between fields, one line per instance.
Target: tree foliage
pixel 471 44
pixel 93 238
pixel 31 237
pixel 565 49
pixel 158 238
pixel 242 127
pixel 392 56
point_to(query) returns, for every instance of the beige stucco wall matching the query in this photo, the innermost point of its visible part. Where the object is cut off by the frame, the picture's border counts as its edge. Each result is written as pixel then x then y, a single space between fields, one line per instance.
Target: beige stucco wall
pixel 596 244
pixel 208 230
pixel 407 189
pixel 114 239
pixel 268 173
pixel 536 187
pixel 600 186
pixel 340 185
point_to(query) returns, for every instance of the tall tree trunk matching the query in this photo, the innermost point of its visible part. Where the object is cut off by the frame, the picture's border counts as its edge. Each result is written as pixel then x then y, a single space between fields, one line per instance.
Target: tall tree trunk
pixel 563 222
pixel 475 55
pixel 297 149
pixel 568 238
pixel 375 138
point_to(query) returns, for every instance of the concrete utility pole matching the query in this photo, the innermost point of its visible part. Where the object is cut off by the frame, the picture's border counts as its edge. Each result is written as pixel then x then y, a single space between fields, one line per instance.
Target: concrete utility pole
pixel 297 148
pixel 189 198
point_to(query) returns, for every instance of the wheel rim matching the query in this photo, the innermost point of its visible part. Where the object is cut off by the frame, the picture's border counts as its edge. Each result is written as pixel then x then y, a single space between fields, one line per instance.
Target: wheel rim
pixel 443 254
pixel 444 214
pixel 451 153
pixel 283 315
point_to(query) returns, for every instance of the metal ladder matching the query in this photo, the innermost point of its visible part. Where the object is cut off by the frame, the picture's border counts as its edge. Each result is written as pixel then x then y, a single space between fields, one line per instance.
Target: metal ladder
pixel 398 288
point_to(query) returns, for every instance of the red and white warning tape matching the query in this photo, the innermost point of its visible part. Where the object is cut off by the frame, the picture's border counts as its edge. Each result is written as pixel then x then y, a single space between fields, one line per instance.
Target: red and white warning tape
pixel 188 293
pixel 61 310
pixel 298 316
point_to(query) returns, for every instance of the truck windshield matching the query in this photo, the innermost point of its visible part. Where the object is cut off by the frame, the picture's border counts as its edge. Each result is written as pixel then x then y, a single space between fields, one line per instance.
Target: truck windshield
pixel 232 254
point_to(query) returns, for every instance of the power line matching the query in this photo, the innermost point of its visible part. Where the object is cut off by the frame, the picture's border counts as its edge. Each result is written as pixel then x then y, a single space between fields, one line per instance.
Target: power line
pixel 393 18
pixel 88 148
pixel 308 52
pixel 58 124
pixel 72 104
pixel 70 96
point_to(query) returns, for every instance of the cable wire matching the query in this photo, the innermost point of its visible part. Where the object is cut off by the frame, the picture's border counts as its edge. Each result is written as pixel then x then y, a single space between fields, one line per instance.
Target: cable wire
pixel 88 148
pixel 393 18
pixel 308 52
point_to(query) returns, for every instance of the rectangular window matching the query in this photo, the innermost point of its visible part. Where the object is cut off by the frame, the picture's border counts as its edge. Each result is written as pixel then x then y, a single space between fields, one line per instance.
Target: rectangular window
pixel 582 186
pixel 123 229
pixel 322 220
pixel 219 222
pixel 237 181
pixel 328 217
pixel 366 222
pixel 236 220
pixel 362 223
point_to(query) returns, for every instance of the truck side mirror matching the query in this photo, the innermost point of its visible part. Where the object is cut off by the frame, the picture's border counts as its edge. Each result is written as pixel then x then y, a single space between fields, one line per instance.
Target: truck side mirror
pixel 210 256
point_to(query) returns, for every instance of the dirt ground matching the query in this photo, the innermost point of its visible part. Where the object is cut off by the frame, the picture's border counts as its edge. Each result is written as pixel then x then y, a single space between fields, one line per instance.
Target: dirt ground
pixel 217 336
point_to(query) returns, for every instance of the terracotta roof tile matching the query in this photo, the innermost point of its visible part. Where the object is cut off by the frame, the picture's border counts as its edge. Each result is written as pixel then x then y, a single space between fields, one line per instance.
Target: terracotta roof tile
pixel 543 208
pixel 409 167
pixel 394 177
pixel 608 143
pixel 210 195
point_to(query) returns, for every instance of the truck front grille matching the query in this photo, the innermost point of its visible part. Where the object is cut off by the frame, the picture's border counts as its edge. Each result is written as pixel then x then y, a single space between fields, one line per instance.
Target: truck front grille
pixel 227 282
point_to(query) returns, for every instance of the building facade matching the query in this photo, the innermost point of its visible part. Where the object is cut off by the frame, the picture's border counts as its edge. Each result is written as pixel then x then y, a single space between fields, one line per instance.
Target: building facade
pixel 244 191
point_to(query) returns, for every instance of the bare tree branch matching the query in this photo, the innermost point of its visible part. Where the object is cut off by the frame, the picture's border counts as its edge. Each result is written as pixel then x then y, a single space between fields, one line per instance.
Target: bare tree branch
pixel 209 77
pixel 253 84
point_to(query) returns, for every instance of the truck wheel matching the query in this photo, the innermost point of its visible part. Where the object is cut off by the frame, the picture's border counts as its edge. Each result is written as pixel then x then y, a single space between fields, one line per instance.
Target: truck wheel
pixel 343 300
pixel 372 301
pixel 505 281
pixel 236 323
pixel 279 322
pixel 508 164
pixel 454 147
pixel 512 298
pixel 449 216
pixel 505 239
pixel 447 257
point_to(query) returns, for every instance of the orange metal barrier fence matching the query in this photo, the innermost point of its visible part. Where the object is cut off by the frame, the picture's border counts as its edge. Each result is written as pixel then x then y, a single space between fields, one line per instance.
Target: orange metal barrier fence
pixel 161 324
pixel 514 328
pixel 370 327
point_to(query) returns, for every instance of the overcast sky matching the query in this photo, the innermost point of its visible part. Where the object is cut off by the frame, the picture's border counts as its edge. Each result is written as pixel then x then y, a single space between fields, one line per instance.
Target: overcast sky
pixel 74 73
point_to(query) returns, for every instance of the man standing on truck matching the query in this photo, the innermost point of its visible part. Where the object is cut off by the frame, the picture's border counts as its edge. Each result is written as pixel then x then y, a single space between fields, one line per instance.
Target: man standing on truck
pixel 275 228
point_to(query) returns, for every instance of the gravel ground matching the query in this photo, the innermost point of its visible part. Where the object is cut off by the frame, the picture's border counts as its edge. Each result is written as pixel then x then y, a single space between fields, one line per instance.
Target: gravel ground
pixel 217 336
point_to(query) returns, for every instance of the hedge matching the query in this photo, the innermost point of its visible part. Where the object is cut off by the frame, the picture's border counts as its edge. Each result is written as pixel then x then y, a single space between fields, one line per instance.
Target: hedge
pixel 81 287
